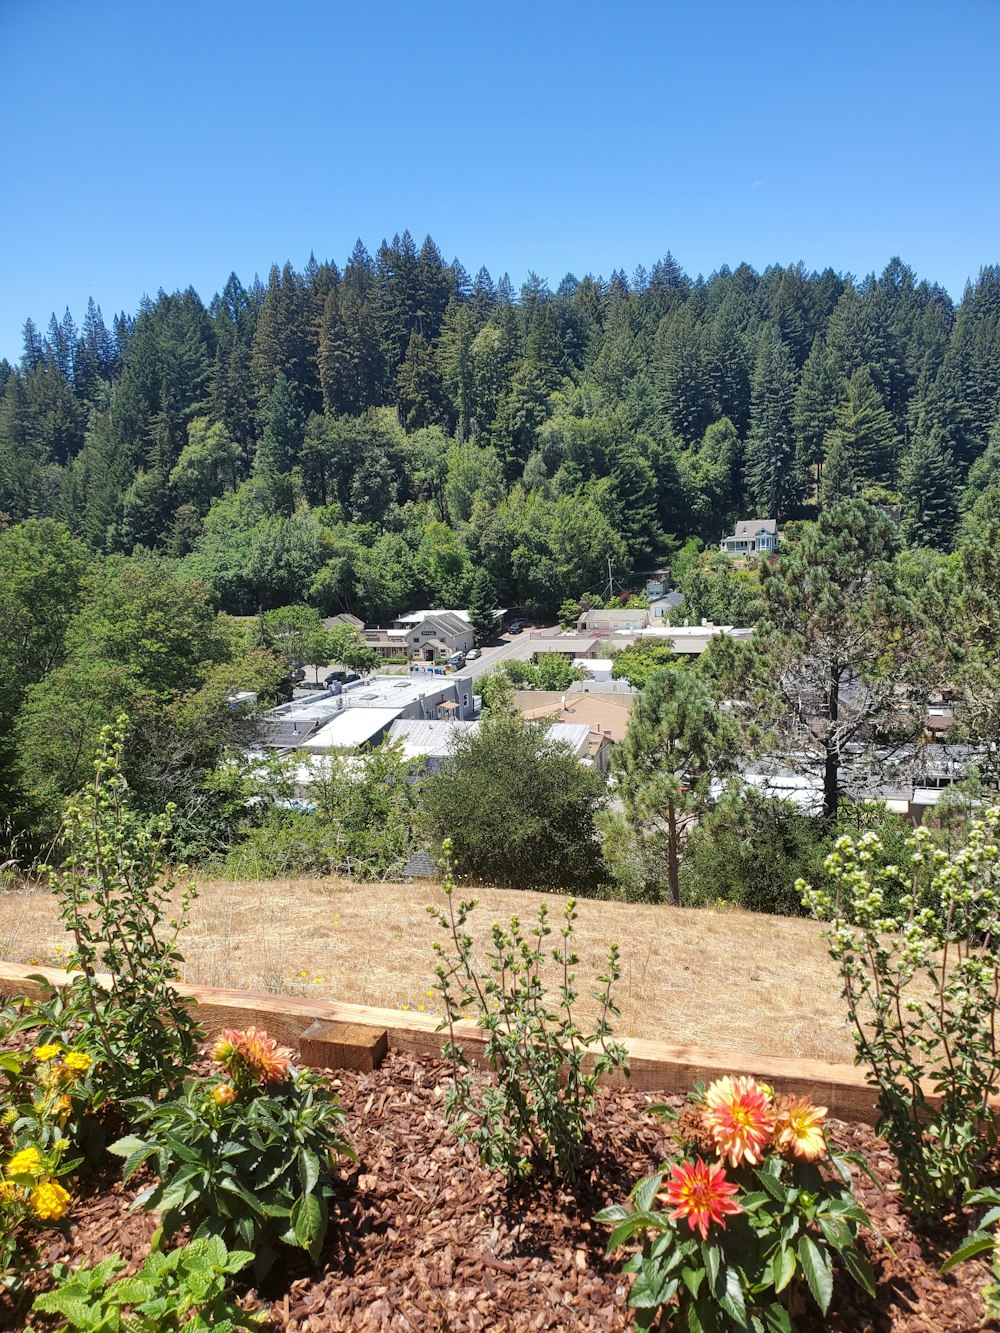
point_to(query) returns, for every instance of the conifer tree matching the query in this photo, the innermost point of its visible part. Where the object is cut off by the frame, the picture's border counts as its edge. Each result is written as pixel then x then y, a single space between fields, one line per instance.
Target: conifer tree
pixel 929 492
pixel 774 481
pixel 678 742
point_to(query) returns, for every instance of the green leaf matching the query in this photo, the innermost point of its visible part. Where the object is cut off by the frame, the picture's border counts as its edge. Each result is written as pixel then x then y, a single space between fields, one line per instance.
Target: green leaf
pixel 818 1273
pixel 784 1267
pixel 976 1243
pixel 729 1293
pixel 645 1192
pixel 859 1268
pixel 308 1223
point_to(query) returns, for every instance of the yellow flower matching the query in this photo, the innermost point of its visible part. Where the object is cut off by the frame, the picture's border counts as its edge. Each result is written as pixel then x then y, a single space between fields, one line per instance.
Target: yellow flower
pixel 421 1007
pixel 7 1190
pixel 800 1128
pixel 77 1061
pixel 64 1105
pixel 24 1163
pixel 47 1052
pixel 49 1201
pixel 224 1094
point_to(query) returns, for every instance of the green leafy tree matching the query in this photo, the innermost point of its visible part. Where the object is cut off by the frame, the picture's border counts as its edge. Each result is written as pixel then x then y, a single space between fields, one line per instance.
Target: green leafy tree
pixel 677 743
pixel 518 807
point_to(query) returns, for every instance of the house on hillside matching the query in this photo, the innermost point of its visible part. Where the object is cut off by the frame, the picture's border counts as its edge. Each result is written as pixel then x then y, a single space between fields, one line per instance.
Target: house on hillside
pixel 424 635
pixel 352 622
pixel 753 536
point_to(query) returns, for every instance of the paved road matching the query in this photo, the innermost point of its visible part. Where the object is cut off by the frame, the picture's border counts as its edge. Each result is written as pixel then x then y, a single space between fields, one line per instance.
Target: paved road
pixel 516 647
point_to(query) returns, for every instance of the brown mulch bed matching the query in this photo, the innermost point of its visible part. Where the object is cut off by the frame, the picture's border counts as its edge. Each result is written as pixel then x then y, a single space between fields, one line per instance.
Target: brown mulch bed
pixel 423 1238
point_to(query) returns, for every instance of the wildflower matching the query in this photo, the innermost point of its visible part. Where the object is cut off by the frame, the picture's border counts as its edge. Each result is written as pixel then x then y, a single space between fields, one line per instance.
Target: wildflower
pixel 800 1128
pixel 49 1201
pixel 701 1193
pixel 24 1163
pixel 224 1094
pixel 48 1051
pixel 740 1119
pixel 421 1007
pixel 78 1062
pixel 7 1190
pixel 64 1105
pixel 406 1006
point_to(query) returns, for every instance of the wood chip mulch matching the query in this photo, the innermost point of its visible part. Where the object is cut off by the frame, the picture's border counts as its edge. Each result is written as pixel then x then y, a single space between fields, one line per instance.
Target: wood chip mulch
pixel 424 1239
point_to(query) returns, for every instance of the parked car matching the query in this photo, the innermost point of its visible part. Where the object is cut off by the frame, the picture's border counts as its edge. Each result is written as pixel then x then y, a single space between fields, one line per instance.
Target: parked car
pixel 472 654
pixel 516 627
pixel 298 674
pixel 340 678
pixel 456 660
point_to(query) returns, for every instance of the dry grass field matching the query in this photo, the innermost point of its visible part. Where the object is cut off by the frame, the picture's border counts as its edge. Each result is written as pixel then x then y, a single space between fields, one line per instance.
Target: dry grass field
pixel 733 980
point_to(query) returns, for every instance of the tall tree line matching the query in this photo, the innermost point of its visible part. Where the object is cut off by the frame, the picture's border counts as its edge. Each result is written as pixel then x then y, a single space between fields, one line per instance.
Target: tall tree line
pixel 365 435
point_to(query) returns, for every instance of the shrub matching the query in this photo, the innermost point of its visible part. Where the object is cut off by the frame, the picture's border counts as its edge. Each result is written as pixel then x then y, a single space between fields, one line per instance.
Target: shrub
pixel 920 983
pixel 185 1289
pixel 535 1114
pixel 248 1158
pixel 743 1221
pixel 115 897
pixel 518 807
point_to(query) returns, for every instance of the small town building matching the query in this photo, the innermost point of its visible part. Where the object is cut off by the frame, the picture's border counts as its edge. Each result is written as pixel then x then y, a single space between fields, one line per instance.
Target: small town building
pixel 424 635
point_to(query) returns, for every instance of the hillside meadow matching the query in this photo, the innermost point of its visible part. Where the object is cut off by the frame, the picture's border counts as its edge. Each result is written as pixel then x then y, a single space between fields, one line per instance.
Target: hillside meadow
pixel 727 979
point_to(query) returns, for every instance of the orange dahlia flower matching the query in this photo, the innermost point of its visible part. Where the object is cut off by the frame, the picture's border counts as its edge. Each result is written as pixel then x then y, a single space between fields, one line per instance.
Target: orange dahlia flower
pixel 800 1128
pixel 253 1052
pixel 700 1192
pixel 224 1094
pixel 740 1119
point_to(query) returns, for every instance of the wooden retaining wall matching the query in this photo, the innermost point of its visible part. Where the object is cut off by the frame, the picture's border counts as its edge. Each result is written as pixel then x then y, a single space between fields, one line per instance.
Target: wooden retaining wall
pixel 352 1036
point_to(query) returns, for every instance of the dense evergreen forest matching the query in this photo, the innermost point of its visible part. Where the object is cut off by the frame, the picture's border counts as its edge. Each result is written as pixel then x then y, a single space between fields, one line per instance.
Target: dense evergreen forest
pixel 369 437
pixel 176 489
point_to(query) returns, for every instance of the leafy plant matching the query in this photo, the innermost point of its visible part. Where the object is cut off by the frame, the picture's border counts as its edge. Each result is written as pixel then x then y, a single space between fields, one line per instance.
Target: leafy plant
pixel 983 1240
pixel 249 1159
pixel 921 983
pixel 546 1067
pixel 115 894
pixel 183 1289
pixel 761 1231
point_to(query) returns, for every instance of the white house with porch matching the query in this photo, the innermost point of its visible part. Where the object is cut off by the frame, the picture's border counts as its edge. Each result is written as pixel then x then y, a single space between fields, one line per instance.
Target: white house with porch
pixel 753 536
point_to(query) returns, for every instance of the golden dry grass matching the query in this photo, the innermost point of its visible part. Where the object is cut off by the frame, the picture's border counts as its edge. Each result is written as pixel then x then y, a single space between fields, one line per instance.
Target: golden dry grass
pixel 732 980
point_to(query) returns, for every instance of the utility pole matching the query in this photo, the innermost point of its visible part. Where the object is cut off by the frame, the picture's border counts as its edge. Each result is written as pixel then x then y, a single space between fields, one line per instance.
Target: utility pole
pixel 611 586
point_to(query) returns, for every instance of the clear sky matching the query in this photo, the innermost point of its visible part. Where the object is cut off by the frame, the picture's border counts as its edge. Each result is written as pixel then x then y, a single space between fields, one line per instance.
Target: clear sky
pixel 150 145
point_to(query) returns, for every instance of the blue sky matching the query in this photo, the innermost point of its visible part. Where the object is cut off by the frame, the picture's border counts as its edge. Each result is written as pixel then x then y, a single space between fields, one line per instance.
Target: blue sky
pixel 150 146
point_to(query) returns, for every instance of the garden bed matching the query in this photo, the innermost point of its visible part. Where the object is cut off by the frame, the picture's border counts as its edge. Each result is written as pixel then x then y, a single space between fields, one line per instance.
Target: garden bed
pixel 423 1238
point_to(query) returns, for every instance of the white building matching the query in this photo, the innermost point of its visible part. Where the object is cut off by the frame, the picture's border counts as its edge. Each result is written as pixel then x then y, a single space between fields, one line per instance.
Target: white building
pixel 753 536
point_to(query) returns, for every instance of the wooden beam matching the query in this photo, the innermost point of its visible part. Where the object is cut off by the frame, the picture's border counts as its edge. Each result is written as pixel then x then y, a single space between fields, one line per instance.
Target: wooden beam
pixel 657 1067
pixel 343 1046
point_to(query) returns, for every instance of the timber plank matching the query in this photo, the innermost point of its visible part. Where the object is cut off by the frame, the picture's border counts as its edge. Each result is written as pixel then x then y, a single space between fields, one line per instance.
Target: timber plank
pixel 656 1066
pixel 343 1046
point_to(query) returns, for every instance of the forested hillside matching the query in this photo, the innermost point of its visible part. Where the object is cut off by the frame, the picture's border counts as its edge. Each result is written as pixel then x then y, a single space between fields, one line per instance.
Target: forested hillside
pixel 368 437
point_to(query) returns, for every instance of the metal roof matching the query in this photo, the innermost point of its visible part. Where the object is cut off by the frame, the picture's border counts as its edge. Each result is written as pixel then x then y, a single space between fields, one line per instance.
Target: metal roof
pixel 354 726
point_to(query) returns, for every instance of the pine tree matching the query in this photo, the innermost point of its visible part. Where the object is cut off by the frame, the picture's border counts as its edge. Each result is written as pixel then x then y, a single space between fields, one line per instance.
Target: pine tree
pixel 815 414
pixel 864 433
pixel 929 493
pixel 677 744
pixel 483 608
pixel 774 481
